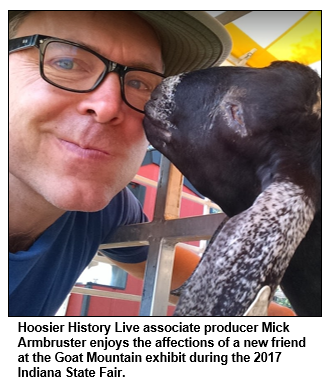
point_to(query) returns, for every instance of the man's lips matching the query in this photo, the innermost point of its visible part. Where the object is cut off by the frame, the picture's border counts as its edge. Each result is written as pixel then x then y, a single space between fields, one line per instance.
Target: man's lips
pixel 86 152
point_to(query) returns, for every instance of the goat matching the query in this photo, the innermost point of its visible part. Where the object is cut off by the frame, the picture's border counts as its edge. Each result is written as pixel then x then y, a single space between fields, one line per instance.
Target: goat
pixel 250 140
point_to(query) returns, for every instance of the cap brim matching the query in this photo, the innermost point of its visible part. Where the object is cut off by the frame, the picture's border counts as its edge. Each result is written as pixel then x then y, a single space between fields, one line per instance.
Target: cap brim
pixel 190 40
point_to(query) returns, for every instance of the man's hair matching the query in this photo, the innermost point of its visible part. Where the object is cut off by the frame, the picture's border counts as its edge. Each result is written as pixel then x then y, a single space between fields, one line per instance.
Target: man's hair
pixel 15 22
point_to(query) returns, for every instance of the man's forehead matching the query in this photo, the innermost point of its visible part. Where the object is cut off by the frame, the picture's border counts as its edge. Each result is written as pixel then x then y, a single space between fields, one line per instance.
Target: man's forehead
pixel 102 31
pixel 85 23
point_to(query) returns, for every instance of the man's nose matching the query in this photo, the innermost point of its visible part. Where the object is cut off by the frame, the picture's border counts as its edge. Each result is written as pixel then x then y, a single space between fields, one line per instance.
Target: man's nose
pixel 105 103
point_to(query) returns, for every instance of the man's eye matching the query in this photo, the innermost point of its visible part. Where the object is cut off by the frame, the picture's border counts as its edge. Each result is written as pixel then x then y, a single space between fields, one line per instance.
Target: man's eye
pixel 137 84
pixel 65 64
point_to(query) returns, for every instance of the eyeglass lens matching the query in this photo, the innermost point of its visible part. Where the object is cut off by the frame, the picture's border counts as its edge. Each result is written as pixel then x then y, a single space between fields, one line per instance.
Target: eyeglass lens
pixel 77 69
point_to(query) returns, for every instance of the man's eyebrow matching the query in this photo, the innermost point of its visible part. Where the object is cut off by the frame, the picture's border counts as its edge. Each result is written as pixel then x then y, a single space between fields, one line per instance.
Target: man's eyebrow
pixel 142 65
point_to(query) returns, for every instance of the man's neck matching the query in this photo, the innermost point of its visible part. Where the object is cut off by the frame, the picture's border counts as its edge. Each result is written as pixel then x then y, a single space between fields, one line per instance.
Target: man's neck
pixel 29 215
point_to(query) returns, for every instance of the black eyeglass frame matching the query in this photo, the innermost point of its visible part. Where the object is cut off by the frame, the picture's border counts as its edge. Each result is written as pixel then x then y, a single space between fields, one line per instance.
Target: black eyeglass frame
pixel 41 42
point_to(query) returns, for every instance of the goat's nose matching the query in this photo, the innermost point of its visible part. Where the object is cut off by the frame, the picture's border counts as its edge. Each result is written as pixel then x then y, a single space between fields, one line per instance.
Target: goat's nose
pixel 157 92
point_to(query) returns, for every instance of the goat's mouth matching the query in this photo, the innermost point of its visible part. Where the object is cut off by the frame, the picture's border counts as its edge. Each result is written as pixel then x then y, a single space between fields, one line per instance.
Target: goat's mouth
pixel 157 131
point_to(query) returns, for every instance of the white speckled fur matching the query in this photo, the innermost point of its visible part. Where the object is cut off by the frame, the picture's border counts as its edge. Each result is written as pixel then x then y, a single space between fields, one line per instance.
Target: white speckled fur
pixel 165 104
pixel 252 250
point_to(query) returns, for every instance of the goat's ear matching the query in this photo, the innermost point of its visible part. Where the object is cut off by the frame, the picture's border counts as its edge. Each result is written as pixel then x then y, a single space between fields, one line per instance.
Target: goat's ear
pixel 233 112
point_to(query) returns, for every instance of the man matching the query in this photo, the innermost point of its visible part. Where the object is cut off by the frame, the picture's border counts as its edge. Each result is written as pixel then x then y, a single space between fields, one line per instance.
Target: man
pixel 76 137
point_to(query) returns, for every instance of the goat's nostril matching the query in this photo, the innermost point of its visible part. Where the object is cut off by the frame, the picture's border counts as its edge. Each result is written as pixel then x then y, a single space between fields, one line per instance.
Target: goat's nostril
pixel 157 92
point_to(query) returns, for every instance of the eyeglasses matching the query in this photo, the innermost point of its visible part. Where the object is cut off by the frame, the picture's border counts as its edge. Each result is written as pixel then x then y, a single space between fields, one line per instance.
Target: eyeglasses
pixel 74 67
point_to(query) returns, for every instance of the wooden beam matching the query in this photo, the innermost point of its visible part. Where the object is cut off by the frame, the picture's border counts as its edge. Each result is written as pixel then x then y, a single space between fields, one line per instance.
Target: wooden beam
pixel 174 190
pixel 229 16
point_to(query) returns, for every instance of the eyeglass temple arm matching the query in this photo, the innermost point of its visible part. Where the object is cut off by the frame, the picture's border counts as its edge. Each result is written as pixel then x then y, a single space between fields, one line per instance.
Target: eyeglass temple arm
pixel 22 43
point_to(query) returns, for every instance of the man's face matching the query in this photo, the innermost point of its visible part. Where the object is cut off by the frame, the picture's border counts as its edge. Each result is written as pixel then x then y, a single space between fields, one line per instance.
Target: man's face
pixel 78 150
